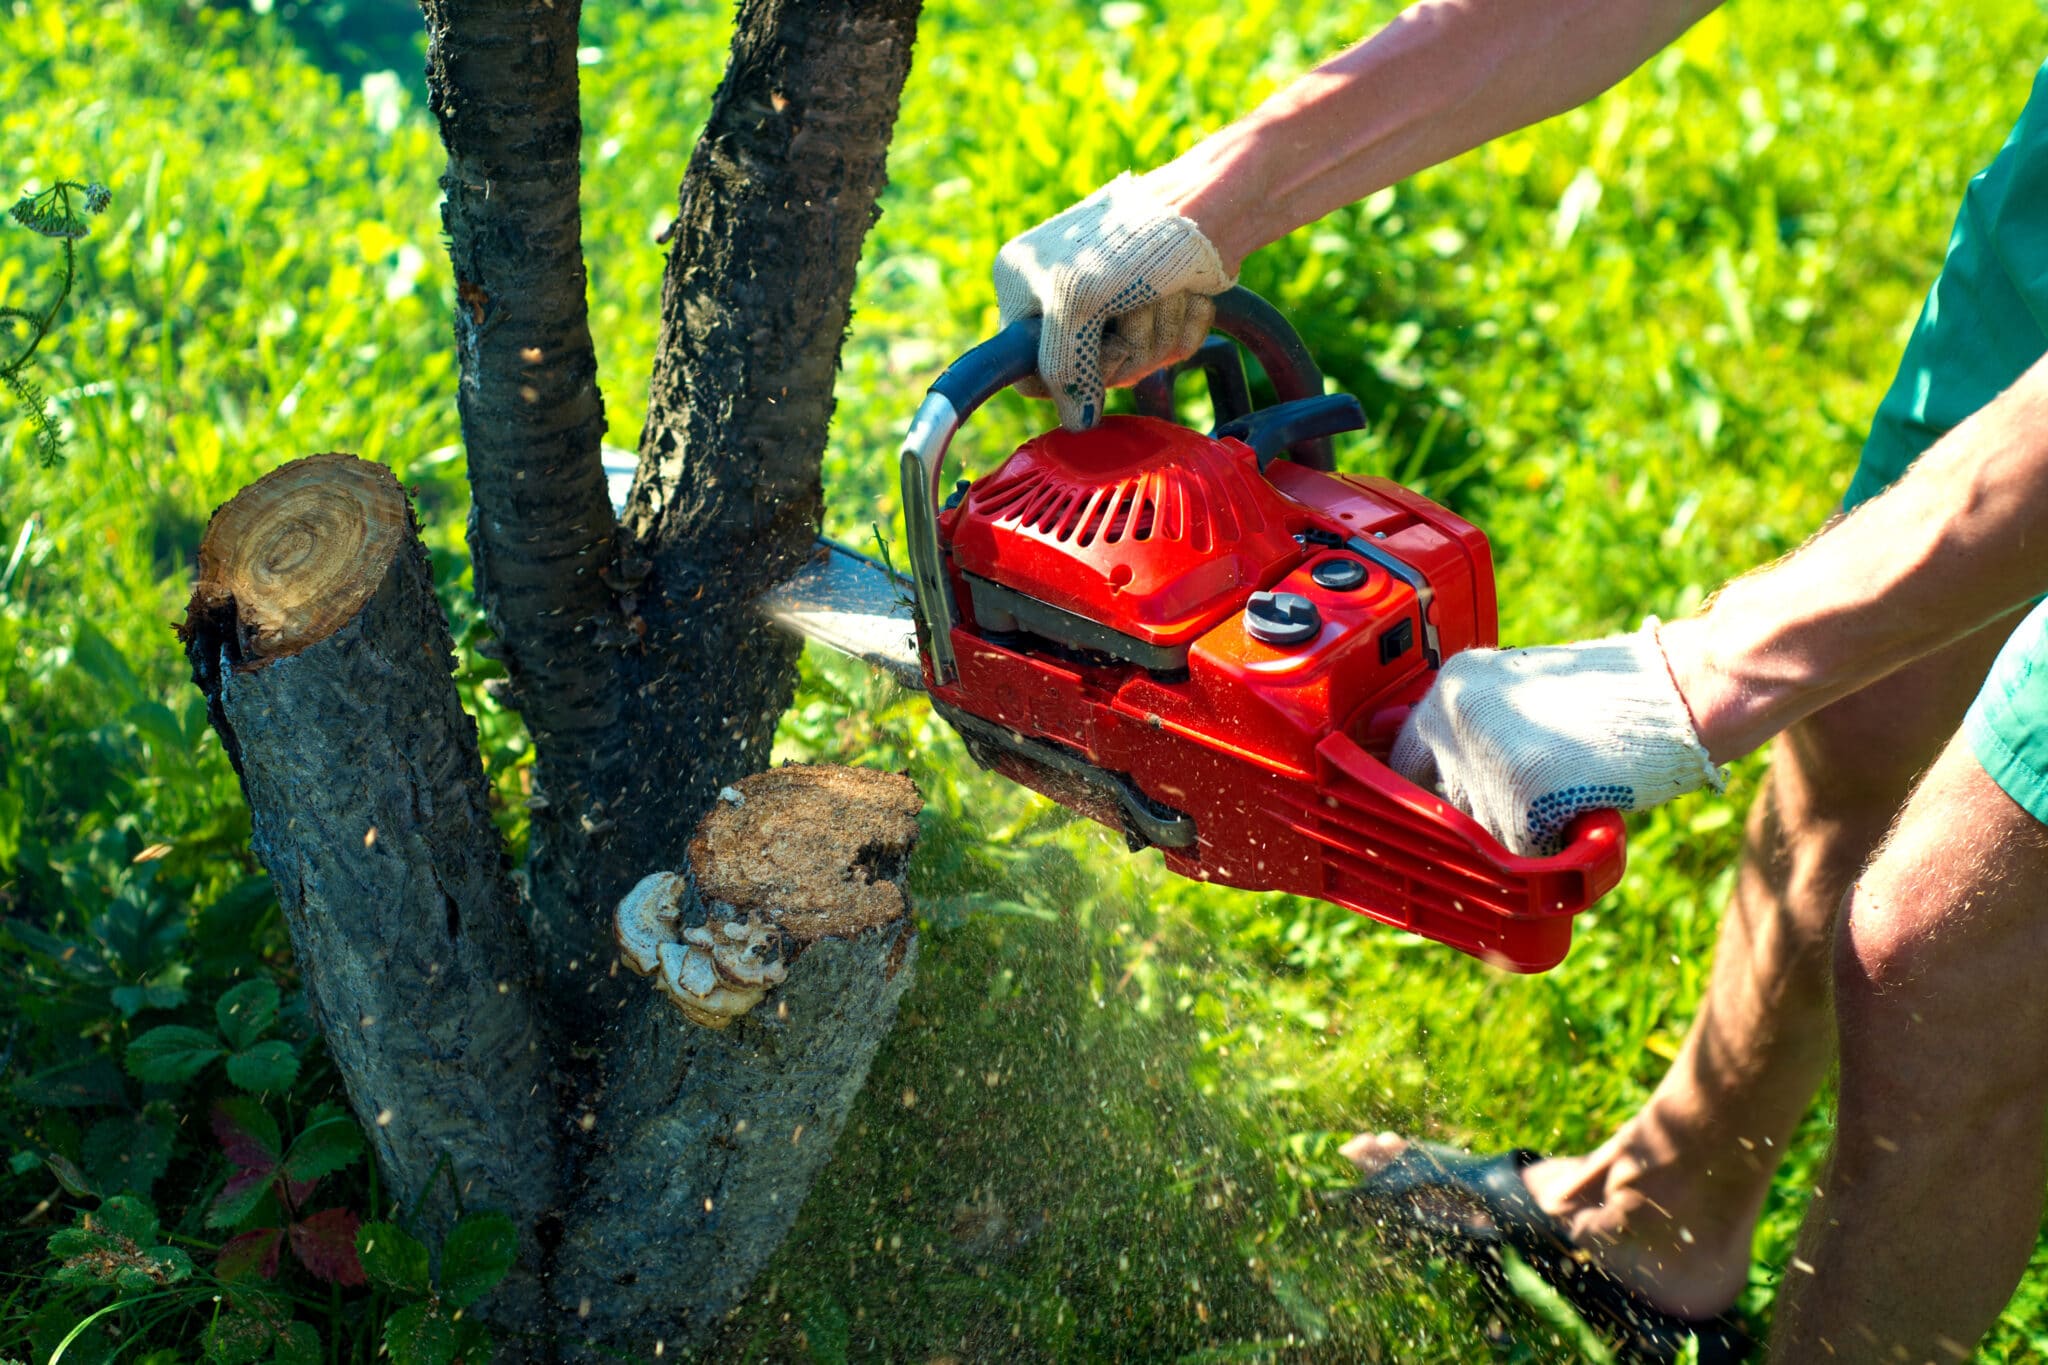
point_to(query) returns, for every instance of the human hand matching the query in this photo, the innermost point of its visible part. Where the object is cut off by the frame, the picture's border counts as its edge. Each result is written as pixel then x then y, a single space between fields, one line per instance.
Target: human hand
pixel 1525 740
pixel 1124 284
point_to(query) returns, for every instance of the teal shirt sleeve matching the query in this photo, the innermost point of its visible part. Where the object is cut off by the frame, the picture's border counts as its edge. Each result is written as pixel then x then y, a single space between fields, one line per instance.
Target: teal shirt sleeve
pixel 1986 318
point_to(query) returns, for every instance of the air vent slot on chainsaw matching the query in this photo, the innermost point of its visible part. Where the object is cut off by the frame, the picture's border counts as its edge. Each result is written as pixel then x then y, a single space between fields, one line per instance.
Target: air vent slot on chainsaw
pixel 1173 504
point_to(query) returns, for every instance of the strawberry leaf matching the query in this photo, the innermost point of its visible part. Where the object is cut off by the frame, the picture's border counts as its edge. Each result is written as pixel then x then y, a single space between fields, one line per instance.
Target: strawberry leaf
pixel 171 1054
pixel 472 1342
pixel 479 1251
pixel 247 1012
pixel 394 1258
pixel 133 1000
pixel 125 1216
pixel 237 1339
pixel 265 1067
pixel 247 1134
pixel 250 1253
pixel 127 1153
pixel 419 1334
pixel 112 1247
pixel 323 1149
pixel 239 1198
pixel 297 1193
pixel 67 1243
pixel 325 1244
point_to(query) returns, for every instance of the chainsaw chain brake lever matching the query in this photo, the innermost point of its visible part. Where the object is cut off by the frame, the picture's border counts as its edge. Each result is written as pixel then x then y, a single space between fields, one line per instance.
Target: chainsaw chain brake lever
pixel 1276 430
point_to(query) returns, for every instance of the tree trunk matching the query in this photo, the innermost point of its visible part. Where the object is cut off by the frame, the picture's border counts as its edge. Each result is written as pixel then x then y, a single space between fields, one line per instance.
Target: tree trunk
pixel 325 661
pixel 314 633
pixel 709 1146
pixel 653 1140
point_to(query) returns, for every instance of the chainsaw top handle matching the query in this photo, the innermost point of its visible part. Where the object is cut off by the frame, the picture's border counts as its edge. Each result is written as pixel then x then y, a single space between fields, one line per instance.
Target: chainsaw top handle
pixel 1011 355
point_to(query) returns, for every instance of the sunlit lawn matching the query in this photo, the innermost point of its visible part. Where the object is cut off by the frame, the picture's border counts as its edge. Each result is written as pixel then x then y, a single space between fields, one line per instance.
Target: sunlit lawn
pixel 1638 345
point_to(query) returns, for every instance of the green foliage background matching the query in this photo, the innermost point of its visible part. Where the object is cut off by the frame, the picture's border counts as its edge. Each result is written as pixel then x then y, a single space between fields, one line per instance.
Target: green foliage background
pixel 1637 344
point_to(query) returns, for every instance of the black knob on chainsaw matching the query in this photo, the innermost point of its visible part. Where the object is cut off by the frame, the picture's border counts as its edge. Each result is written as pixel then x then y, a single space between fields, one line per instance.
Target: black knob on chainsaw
pixel 1281 618
pixel 1338 575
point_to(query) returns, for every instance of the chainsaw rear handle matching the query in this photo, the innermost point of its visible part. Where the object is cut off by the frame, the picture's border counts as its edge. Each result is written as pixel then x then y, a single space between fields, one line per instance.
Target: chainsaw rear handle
pixel 1011 355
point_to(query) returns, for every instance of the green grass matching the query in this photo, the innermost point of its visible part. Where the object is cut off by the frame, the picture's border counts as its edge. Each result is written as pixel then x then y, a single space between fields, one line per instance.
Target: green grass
pixel 1105 1126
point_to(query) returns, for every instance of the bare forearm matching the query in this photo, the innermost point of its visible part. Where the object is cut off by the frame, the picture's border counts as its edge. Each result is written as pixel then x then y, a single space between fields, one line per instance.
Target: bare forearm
pixel 1443 77
pixel 1961 539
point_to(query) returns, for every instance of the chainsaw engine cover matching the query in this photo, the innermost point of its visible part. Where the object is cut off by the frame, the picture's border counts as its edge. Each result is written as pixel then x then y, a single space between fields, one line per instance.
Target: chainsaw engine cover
pixel 1139 525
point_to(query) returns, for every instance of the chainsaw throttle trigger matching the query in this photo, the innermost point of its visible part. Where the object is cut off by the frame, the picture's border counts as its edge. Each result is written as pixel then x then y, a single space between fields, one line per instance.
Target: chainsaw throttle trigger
pixel 1270 431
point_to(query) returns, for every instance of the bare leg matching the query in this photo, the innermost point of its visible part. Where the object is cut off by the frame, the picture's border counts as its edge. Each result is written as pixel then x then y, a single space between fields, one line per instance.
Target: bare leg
pixel 1669 1203
pixel 1933 1195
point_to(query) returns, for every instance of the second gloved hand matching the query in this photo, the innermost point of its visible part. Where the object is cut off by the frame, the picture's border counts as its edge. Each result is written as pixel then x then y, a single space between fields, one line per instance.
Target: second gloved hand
pixel 1525 740
pixel 1119 256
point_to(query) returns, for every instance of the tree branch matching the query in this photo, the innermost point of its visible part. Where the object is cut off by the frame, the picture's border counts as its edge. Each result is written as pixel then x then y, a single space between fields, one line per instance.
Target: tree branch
pixel 503 82
pixel 779 197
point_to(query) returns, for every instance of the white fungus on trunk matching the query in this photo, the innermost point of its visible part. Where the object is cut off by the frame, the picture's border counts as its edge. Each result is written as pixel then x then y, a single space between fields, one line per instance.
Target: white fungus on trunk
pixel 649 916
pixel 785 858
pixel 715 971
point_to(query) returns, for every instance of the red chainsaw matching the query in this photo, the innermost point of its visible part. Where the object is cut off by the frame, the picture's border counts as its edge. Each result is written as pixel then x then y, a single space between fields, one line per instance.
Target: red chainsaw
pixel 1207 642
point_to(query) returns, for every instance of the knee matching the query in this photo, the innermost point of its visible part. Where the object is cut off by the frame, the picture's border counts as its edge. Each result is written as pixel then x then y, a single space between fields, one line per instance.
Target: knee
pixel 1936 1010
pixel 1829 796
pixel 1882 955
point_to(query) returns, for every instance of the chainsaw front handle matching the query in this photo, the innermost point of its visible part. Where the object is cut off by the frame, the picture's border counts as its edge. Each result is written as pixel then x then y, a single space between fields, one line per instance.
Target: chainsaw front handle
pixel 1011 355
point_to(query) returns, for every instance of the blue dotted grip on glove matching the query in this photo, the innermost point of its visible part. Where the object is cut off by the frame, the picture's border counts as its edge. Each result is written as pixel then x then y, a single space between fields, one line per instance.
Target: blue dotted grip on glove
pixel 1550 813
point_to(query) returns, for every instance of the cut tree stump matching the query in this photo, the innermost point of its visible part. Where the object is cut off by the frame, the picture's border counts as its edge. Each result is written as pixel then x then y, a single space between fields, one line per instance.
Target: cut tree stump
pixel 326 663
pixel 711 1136
pixel 294 556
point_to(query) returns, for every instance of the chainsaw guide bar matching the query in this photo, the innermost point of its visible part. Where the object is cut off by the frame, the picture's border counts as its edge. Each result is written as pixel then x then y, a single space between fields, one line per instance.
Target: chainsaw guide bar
pixel 853 604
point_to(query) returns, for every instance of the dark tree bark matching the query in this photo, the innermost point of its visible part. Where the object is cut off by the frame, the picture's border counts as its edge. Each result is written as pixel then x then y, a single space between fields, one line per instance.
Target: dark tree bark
pixel 502 78
pixel 325 661
pixel 711 1140
pixel 703 1188
pixel 653 1141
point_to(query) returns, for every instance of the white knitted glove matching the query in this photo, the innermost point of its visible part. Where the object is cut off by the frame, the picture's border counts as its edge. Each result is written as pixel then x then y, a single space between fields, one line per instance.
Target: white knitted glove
pixel 1122 260
pixel 1524 740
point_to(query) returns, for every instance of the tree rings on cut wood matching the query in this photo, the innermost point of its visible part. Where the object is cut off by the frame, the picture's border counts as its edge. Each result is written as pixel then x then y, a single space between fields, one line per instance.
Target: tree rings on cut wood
pixel 294 556
pixel 821 847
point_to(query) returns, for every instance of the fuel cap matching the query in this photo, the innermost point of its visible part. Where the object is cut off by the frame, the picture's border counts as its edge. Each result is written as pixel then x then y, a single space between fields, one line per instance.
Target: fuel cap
pixel 1338 575
pixel 1281 618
